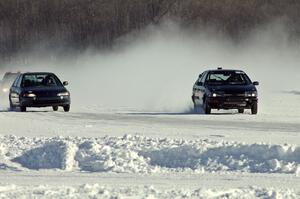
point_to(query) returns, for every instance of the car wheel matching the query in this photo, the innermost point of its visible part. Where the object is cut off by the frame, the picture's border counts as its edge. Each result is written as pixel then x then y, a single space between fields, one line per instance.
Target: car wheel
pixel 206 108
pixel 197 109
pixel 67 108
pixel 55 108
pixel 254 108
pixel 23 108
pixel 11 106
pixel 241 110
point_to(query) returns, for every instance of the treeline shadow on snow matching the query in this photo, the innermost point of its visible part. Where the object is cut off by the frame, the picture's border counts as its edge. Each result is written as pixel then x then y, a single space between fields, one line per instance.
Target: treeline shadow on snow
pixel 7 110
pixel 295 92
pixel 188 112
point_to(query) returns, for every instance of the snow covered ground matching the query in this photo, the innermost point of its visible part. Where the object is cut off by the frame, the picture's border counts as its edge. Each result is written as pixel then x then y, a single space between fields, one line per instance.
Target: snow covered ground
pixel 96 152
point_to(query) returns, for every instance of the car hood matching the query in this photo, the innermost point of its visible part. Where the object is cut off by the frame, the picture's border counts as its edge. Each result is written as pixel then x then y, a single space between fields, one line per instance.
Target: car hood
pixel 232 88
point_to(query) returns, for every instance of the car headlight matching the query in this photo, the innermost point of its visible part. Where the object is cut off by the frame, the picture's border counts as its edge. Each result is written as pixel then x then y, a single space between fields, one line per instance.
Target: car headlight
pixel 29 95
pixel 251 94
pixel 5 90
pixel 217 94
pixel 63 94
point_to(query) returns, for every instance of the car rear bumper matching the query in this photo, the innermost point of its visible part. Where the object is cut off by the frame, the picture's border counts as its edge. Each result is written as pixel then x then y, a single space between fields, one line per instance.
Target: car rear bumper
pixel 47 101
pixel 231 102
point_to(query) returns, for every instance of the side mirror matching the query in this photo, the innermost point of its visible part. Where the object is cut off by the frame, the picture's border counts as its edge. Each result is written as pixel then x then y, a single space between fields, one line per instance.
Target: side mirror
pixel 255 83
pixel 199 84
pixel 65 83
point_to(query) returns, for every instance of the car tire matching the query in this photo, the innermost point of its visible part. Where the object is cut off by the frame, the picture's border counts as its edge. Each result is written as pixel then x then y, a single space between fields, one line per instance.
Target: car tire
pixel 11 106
pixel 67 108
pixel 241 110
pixel 254 108
pixel 206 108
pixel 23 108
pixel 197 109
pixel 55 108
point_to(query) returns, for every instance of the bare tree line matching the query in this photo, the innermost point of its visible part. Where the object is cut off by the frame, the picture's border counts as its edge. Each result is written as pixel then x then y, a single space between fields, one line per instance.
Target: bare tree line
pixel 82 23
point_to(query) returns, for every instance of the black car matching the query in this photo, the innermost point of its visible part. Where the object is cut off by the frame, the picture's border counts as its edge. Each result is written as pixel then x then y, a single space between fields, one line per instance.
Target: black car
pixel 39 90
pixel 225 89
pixel 6 82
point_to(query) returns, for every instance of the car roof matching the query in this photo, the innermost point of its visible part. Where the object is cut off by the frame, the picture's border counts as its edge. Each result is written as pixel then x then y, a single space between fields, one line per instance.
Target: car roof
pixel 225 70
pixel 37 73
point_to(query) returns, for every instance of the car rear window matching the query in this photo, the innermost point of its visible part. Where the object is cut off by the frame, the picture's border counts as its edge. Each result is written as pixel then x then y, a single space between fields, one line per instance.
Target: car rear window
pixel 40 80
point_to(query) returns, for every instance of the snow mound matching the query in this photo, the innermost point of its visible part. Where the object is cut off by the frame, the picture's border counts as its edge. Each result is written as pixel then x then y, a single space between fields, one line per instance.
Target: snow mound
pixel 138 154
pixel 259 158
pixel 52 155
pixel 96 157
pixel 97 191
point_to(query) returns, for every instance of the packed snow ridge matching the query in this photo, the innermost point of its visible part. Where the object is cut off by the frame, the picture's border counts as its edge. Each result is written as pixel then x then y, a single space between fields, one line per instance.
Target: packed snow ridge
pixel 138 154
pixel 97 191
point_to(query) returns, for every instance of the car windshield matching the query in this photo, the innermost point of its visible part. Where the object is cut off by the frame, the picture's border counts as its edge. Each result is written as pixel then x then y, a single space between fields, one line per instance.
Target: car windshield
pixel 227 77
pixel 40 80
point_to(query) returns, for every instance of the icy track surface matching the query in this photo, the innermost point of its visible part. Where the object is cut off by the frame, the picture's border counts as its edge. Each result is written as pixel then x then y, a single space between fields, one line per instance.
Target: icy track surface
pixel 94 152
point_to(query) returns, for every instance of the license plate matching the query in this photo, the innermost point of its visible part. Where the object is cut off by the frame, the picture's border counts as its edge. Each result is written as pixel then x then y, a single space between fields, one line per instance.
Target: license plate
pixel 235 103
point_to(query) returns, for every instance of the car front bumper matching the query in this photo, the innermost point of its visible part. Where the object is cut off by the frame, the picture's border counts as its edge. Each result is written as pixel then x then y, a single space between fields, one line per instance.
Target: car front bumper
pixel 231 102
pixel 45 101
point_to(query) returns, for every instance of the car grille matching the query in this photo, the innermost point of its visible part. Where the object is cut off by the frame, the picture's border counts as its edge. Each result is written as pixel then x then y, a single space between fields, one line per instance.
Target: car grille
pixel 47 94
pixel 234 95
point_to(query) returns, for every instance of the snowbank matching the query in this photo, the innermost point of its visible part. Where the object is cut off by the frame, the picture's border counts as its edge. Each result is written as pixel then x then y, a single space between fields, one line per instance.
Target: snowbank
pixel 92 156
pixel 56 154
pixel 138 154
pixel 259 158
pixel 96 191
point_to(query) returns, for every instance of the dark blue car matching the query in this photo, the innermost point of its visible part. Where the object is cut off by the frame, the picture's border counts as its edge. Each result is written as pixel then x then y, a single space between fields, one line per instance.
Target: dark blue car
pixel 39 90
pixel 225 89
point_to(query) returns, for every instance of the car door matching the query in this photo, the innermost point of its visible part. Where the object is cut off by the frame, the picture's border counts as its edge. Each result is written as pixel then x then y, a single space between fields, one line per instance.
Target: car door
pixel 199 89
pixel 15 91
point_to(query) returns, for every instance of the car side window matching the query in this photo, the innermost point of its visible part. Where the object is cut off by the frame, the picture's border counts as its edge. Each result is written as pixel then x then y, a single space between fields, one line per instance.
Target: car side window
pixel 15 82
pixel 198 80
pixel 19 81
pixel 202 80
